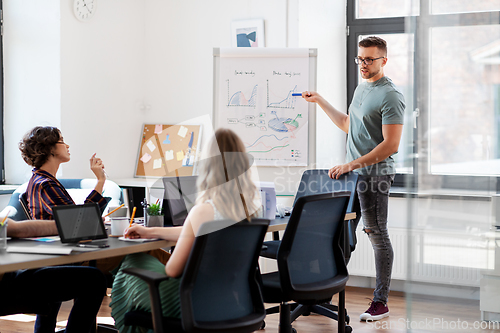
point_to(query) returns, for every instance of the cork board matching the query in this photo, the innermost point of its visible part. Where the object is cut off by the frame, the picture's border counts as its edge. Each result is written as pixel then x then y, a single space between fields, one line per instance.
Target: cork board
pixel 168 150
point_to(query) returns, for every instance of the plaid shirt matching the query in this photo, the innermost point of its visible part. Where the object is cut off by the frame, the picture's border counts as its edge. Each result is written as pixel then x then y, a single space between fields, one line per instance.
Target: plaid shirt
pixel 45 191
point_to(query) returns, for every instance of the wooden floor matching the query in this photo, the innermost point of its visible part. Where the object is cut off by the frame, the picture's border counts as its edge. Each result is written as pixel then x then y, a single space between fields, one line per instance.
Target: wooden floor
pixel 424 314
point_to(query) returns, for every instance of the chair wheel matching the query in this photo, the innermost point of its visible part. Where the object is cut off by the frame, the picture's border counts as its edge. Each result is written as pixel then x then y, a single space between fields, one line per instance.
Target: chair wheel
pixel 262 325
pixel 307 313
pixel 347 319
pixel 348 329
pixel 294 330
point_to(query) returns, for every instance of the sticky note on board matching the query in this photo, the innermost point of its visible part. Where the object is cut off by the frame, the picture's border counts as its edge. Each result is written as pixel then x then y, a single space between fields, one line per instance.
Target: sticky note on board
pixel 158 129
pixel 157 163
pixel 180 155
pixel 169 155
pixel 151 145
pixel 182 131
pixel 167 140
pixel 146 158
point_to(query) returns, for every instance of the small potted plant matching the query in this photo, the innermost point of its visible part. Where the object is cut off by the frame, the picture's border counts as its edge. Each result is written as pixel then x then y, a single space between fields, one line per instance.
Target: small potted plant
pixel 155 215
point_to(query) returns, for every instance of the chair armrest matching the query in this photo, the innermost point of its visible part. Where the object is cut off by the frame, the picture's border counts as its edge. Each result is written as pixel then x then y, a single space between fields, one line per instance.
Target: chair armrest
pixel 153 280
pixel 270 249
pixel 148 276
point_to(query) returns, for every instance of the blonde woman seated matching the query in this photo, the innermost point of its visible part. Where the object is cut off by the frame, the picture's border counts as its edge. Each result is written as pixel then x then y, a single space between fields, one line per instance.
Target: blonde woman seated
pixel 224 193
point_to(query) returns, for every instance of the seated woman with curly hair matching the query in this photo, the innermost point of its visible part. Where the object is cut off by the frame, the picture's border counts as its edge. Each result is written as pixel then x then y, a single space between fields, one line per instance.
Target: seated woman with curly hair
pixel 44 149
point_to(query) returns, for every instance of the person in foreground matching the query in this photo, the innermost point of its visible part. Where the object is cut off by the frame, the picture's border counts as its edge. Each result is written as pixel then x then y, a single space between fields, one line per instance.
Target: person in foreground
pixel 221 196
pixel 52 285
pixel 374 127
pixel 44 149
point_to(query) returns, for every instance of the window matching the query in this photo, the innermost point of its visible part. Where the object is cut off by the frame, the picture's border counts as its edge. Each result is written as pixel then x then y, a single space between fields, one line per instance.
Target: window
pixel 400 65
pixel 2 167
pixel 444 56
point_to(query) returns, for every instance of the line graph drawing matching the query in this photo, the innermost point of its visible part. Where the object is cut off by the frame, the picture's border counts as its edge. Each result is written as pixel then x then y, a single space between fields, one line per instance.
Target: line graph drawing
pixel 255 147
pixel 239 99
pixel 285 103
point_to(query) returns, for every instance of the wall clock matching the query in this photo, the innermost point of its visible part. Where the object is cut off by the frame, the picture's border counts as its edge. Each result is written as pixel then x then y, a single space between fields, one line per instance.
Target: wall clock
pixel 84 9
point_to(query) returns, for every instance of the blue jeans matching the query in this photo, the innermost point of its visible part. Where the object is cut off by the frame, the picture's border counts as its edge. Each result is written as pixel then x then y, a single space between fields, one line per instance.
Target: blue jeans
pixel 49 286
pixel 373 193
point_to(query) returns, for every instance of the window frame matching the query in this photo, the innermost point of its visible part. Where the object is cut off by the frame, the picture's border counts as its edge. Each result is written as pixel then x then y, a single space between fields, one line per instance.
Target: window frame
pixel 2 162
pixel 420 26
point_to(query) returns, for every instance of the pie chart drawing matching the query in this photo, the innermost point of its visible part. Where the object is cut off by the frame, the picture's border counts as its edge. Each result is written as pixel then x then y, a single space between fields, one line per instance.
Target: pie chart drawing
pixel 284 124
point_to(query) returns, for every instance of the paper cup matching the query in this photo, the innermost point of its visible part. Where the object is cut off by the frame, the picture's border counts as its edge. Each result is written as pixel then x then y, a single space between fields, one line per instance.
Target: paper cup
pixel 118 225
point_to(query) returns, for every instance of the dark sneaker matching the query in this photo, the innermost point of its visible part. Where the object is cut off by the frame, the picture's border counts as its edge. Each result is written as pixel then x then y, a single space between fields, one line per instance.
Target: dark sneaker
pixel 376 311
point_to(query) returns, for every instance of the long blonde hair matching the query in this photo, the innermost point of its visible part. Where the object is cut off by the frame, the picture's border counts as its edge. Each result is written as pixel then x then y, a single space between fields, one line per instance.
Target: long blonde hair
pixel 225 177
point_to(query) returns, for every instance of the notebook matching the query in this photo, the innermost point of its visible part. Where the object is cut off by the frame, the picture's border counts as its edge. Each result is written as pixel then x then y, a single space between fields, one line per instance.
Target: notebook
pixel 76 223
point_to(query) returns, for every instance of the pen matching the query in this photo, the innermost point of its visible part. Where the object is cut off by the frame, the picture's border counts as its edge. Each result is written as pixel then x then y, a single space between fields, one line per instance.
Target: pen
pixel 114 210
pixel 5 218
pixel 132 217
pixel 296 94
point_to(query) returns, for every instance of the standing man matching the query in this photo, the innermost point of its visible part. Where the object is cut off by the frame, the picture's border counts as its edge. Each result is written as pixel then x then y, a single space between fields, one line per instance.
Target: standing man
pixel 374 127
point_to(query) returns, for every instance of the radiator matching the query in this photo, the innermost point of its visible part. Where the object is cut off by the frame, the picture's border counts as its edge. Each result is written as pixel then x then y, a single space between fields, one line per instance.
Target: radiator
pixel 436 257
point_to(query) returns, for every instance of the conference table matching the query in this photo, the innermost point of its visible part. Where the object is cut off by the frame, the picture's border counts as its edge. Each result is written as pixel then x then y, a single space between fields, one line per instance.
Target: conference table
pixel 11 261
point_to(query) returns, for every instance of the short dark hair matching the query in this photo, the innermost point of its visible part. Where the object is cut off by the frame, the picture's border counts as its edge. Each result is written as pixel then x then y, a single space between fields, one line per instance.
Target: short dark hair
pixel 36 145
pixel 374 41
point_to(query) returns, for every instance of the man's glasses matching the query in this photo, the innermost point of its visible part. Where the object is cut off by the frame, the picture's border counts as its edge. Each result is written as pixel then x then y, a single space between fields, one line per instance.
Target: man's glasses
pixel 367 61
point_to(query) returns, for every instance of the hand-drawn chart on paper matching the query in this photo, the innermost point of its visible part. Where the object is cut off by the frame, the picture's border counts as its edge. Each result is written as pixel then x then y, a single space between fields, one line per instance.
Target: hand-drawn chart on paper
pixel 255 101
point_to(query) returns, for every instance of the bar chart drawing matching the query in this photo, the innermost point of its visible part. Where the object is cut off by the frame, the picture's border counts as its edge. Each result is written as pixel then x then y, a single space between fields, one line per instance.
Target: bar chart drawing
pixel 239 99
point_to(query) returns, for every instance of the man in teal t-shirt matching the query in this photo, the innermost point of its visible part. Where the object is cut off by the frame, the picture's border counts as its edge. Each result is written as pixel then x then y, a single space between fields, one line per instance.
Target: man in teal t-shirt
pixel 374 127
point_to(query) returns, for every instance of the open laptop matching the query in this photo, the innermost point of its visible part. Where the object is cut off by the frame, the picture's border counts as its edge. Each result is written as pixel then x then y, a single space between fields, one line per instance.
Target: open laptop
pixel 178 198
pixel 79 223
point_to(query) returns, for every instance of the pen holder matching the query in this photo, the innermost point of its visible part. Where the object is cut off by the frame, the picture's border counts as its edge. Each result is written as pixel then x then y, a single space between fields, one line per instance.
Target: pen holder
pixel 3 236
pixel 154 221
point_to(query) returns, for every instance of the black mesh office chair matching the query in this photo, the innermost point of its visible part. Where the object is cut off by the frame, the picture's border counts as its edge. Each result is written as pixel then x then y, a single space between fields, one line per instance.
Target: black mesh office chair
pixel 311 265
pixel 318 182
pixel 219 291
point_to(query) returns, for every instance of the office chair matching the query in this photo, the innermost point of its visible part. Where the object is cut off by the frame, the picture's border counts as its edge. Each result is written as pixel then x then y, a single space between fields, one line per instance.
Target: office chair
pixel 318 182
pixel 77 188
pixel 311 265
pixel 219 291
pixel 24 204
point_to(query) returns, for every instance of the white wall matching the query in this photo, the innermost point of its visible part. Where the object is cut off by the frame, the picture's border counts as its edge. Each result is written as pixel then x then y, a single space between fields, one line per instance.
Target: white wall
pixel 31 75
pixel 140 61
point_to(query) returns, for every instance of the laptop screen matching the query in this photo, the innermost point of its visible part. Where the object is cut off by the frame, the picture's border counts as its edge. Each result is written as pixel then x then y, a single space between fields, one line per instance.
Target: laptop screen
pixel 76 223
pixel 178 198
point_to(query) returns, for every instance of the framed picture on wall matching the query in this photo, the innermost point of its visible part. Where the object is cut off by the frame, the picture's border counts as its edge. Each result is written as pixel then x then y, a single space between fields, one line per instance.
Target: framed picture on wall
pixel 247 33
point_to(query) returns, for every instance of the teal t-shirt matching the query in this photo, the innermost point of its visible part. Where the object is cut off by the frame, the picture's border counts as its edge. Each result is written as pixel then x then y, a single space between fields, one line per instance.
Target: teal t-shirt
pixel 374 104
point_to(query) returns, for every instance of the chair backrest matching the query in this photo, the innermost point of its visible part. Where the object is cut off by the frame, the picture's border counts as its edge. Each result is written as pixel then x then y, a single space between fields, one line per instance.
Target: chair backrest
pixel 317 182
pixel 219 288
pixel 24 204
pixel 79 189
pixel 310 258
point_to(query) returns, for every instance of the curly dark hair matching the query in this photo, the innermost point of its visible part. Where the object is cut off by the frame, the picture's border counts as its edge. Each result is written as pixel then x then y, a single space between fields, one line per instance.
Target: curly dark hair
pixel 36 145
